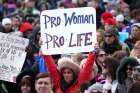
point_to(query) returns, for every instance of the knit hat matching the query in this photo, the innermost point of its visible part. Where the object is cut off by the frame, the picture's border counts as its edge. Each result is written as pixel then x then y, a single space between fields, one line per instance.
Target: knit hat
pixel 136 72
pixel 106 15
pixel 120 18
pixel 6 21
pixel 25 27
pixel 97 86
pixel 66 62
pixel 24 73
pixel 110 21
pixel 136 24
pixel 112 31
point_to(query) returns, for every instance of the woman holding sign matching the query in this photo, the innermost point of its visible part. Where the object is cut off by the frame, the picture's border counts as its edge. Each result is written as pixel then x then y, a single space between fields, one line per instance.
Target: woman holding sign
pixel 68 77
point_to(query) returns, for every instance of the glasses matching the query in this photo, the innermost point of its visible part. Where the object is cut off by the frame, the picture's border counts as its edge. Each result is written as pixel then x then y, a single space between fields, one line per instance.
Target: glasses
pixel 102 55
pixel 129 68
pixel 108 35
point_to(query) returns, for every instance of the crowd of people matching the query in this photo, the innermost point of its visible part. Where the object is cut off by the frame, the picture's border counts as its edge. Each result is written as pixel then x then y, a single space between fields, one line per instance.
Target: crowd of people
pixel 113 67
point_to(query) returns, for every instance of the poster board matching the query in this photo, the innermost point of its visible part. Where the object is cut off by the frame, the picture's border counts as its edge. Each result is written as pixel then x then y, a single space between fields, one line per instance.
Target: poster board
pixel 12 56
pixel 68 30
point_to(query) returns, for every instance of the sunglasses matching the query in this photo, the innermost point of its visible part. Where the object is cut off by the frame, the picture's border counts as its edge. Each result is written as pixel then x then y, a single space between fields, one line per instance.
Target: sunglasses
pixel 108 35
pixel 129 68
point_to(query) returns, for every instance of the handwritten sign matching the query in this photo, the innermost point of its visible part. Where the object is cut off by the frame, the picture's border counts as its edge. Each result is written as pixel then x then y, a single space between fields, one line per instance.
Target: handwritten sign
pixel 68 30
pixel 12 56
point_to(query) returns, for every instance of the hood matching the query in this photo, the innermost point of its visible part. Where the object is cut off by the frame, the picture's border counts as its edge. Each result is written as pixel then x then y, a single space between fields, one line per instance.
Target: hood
pixel 121 71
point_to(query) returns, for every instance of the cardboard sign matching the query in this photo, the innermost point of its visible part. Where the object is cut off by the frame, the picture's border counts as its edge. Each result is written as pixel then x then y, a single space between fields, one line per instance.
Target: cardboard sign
pixel 68 30
pixel 123 36
pixel 12 56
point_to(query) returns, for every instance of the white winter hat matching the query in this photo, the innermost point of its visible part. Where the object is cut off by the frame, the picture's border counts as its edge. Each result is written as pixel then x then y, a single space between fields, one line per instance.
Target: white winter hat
pixel 120 18
pixel 6 21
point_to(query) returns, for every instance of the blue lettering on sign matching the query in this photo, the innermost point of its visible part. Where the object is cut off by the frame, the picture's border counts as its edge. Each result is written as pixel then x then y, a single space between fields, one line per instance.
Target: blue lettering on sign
pixel 54 21
pixel 78 19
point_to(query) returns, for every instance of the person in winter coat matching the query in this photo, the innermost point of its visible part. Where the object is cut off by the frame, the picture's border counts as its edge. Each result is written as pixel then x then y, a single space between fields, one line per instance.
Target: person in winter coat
pixel 110 65
pixel 134 36
pixel 111 43
pixel 124 74
pixel 134 88
pixel 68 77
pixel 25 82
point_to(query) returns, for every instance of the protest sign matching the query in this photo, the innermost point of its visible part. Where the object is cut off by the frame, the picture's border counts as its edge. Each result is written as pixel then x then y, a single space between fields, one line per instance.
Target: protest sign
pixel 12 56
pixel 123 36
pixel 68 30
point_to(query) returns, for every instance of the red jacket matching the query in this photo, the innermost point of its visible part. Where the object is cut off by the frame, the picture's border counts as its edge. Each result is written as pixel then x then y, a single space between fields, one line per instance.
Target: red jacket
pixel 83 76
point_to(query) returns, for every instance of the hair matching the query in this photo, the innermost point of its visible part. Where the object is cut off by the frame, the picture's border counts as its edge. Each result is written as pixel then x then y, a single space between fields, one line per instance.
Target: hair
pixel 26 80
pixel 77 57
pixel 43 75
pixel 120 54
pixel 134 88
pixel 121 71
pixel 112 65
pixel 101 31
pixel 96 60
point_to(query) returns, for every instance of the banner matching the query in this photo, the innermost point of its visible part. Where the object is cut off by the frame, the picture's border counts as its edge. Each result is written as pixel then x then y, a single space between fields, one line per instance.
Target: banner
pixel 12 56
pixel 68 30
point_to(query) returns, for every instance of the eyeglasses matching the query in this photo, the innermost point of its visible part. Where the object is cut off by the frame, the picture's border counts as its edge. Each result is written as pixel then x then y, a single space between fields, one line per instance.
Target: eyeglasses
pixel 108 35
pixel 101 55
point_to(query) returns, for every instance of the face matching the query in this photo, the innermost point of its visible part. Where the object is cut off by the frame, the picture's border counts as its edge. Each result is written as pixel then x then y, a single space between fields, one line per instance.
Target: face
pixel 27 34
pixel 43 85
pixel 129 71
pixel 105 69
pixel 137 51
pixel 8 27
pixel 15 22
pixel 99 37
pixel 109 39
pixel 135 33
pixel 101 56
pixel 95 4
pixel 68 75
pixel 25 88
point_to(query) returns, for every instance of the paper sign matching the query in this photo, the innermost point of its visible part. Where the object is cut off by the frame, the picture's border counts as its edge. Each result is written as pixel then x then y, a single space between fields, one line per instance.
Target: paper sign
pixel 12 56
pixel 123 36
pixel 68 30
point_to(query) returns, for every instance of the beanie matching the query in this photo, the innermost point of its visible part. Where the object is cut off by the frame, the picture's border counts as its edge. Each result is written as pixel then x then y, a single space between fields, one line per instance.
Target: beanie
pixel 25 27
pixel 6 21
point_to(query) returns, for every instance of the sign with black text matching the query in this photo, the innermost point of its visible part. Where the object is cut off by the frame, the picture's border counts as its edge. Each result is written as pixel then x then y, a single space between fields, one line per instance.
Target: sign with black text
pixel 68 30
pixel 12 56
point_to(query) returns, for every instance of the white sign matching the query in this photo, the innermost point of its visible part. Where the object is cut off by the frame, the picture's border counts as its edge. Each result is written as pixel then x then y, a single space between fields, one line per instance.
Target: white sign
pixel 12 56
pixel 68 30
